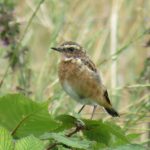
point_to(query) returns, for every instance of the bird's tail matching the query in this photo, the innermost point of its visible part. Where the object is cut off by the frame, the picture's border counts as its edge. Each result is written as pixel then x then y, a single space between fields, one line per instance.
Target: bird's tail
pixel 112 112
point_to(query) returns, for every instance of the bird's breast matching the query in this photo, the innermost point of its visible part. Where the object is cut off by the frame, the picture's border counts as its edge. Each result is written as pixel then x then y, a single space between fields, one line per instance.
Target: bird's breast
pixel 76 80
pixel 69 74
pixel 70 68
pixel 69 90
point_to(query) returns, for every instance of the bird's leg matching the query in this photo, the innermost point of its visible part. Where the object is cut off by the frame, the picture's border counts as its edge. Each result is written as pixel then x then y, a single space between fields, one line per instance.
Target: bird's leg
pixel 94 108
pixel 81 109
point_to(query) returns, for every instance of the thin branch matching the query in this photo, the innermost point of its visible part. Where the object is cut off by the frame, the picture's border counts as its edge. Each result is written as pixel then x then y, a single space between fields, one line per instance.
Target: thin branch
pixel 53 145
pixel 77 129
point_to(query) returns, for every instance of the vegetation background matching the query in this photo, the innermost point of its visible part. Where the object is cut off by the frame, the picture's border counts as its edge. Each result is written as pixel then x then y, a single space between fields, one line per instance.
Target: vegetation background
pixel 116 35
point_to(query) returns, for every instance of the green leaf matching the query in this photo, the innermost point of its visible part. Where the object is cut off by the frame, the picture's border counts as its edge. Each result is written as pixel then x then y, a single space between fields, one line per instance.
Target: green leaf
pixel 117 134
pixel 104 132
pixel 23 117
pixel 68 122
pixel 6 142
pixel 133 136
pixel 97 146
pixel 96 130
pixel 60 147
pixel 29 143
pixel 129 147
pixel 69 141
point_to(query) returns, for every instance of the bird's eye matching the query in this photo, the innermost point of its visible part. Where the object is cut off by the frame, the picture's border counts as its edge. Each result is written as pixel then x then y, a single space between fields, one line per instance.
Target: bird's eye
pixel 71 49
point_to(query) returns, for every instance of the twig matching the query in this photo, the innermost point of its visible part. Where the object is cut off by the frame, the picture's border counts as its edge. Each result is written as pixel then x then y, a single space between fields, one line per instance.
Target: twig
pixel 52 146
pixel 77 129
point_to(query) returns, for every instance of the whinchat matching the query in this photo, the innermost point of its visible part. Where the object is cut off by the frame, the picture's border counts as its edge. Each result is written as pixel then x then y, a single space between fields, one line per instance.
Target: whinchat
pixel 80 79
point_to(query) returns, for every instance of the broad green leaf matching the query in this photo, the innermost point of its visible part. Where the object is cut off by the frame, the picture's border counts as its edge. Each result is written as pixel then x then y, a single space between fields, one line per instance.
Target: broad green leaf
pixel 6 142
pixel 60 147
pixel 68 122
pixel 129 147
pixel 97 131
pixel 117 134
pixel 104 132
pixel 97 146
pixel 29 143
pixel 69 141
pixel 23 117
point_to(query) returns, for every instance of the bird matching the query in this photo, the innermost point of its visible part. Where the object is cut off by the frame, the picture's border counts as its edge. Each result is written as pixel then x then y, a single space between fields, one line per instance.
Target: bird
pixel 80 79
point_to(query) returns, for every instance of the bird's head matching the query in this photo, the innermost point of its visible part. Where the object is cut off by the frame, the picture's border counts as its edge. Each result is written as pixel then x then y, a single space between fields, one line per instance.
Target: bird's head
pixel 70 49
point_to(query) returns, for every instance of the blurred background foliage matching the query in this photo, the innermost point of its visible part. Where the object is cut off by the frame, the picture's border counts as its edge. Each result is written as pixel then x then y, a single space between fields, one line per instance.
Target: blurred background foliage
pixel 116 35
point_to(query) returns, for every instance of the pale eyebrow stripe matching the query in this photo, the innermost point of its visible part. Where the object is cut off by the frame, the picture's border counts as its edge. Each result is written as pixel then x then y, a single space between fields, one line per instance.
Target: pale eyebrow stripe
pixel 74 46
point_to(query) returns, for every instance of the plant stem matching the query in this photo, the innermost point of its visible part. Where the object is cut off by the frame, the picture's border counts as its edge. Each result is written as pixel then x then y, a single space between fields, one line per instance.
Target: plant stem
pixel 19 43
pixel 113 42
pixel 77 129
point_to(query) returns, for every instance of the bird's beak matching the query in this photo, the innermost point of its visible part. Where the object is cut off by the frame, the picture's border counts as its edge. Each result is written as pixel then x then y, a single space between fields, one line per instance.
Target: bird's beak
pixel 56 49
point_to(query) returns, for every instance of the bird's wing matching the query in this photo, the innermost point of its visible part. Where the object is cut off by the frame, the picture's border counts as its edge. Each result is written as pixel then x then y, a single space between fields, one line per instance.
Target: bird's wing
pixel 107 97
pixel 91 66
pixel 96 76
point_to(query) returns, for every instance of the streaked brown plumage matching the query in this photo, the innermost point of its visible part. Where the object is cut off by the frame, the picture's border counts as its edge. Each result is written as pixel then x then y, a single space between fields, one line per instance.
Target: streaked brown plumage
pixel 80 79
